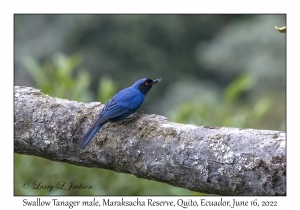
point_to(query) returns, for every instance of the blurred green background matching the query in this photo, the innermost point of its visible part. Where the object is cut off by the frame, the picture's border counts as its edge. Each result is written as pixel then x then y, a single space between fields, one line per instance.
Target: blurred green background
pixel 217 70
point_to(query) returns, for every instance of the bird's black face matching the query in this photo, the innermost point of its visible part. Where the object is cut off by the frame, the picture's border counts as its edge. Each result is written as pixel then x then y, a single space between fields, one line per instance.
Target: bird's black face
pixel 146 85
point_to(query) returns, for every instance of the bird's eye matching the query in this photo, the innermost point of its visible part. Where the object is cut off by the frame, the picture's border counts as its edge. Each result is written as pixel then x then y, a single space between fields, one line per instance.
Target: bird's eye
pixel 147 83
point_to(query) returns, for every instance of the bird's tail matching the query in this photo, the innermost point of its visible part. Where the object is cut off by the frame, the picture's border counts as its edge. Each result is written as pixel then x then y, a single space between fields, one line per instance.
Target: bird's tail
pixel 89 135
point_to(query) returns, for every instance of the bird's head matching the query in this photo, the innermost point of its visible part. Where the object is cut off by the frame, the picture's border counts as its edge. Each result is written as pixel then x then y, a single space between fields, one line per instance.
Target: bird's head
pixel 144 85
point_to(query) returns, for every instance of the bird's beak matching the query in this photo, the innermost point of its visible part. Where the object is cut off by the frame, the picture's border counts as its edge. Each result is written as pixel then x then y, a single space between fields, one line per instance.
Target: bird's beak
pixel 156 81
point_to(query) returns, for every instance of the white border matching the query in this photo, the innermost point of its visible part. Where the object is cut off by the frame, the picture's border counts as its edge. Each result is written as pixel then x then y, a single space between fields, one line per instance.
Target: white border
pixel 8 8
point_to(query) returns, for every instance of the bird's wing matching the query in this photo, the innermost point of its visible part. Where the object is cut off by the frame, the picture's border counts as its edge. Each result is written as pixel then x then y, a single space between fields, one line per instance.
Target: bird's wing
pixel 129 98
pixel 122 103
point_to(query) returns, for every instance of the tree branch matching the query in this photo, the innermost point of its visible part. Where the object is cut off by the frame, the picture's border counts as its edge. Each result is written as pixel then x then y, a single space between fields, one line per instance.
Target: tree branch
pixel 218 160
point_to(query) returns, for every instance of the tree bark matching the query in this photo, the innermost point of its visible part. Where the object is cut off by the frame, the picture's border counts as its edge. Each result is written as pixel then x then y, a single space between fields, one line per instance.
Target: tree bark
pixel 216 160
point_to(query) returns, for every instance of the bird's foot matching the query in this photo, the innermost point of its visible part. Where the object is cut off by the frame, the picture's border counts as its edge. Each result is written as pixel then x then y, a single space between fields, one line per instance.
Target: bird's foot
pixel 134 116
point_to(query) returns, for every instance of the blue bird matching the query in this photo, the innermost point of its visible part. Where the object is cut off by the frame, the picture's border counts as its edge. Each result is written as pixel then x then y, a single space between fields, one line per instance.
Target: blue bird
pixel 123 104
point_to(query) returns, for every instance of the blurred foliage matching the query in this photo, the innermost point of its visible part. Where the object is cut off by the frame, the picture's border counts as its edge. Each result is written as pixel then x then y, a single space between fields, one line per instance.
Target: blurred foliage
pixel 106 89
pixel 226 110
pixel 56 77
pixel 238 86
pixel 217 70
